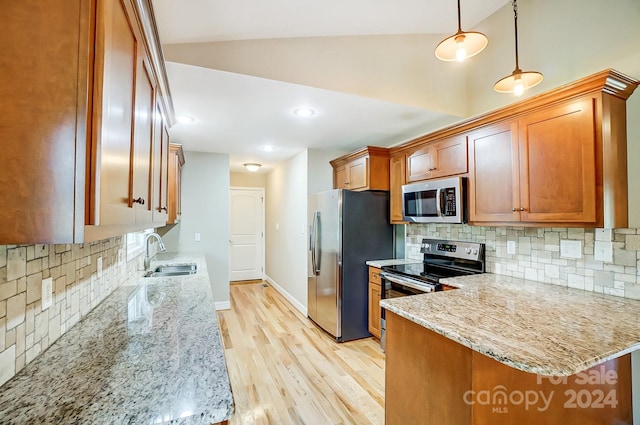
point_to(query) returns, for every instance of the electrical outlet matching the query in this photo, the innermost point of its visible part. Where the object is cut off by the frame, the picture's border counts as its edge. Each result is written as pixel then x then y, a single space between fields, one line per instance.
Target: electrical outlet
pixel 604 235
pixel 47 293
pixel 603 251
pixel 120 257
pixel 511 247
pixel 570 249
pixel 196 237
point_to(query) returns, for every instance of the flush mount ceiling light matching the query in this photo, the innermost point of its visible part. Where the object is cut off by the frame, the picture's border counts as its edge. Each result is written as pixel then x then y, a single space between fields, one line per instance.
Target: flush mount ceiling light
pixel 268 148
pixel 252 166
pixel 185 119
pixel 304 112
pixel 461 45
pixel 519 80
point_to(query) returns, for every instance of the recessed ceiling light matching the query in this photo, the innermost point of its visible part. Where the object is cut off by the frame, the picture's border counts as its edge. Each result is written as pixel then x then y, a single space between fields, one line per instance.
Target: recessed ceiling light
pixel 268 148
pixel 185 119
pixel 304 112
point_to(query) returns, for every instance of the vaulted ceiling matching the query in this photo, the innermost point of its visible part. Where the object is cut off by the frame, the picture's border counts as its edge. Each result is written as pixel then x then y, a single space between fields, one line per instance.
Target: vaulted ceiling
pixel 366 67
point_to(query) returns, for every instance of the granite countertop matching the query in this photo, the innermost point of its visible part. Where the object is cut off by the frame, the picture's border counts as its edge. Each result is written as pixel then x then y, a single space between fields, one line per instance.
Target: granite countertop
pixel 392 262
pixel 150 353
pixel 531 326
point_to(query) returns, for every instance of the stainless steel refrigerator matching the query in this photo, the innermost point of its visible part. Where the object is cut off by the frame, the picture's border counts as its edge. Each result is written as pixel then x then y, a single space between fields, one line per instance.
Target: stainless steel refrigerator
pixel 346 229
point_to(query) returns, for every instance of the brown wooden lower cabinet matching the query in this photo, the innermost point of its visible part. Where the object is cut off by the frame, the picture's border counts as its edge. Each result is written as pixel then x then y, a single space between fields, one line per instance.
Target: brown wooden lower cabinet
pixel 433 380
pixel 374 301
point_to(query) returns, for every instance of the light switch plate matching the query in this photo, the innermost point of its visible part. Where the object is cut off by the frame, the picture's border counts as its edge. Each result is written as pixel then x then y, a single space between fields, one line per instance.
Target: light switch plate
pixel 603 251
pixel 47 293
pixel 196 237
pixel 604 235
pixel 511 247
pixel 570 249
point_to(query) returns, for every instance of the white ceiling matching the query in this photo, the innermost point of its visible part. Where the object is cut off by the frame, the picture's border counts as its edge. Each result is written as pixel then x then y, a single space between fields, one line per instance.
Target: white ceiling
pixel 240 114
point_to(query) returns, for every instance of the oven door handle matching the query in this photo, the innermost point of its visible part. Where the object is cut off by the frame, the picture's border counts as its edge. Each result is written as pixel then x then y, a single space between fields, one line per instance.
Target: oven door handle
pixel 410 284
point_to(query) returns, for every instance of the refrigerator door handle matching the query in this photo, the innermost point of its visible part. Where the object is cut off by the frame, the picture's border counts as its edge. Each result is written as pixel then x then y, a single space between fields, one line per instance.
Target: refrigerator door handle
pixel 312 243
pixel 317 243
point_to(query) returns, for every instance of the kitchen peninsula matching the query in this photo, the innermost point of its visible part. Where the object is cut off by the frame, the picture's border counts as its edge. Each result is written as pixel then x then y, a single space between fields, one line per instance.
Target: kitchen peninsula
pixel 150 353
pixel 503 350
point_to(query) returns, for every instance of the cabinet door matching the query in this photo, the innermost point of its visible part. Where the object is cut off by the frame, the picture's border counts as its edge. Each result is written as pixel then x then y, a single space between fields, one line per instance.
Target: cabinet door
pixel 420 164
pixel 493 170
pixel 374 301
pixel 174 177
pixel 558 163
pixel 116 62
pixel 340 178
pixel 141 198
pixel 374 309
pixel 160 169
pixel 449 157
pixel 397 179
pixel 358 173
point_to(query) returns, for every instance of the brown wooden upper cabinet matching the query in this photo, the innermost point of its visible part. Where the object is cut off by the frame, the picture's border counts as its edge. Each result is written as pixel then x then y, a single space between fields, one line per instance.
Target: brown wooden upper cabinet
pixel 176 161
pixel 436 159
pixel 547 166
pixel 80 156
pixel 364 169
pixel 397 177
pixel 555 159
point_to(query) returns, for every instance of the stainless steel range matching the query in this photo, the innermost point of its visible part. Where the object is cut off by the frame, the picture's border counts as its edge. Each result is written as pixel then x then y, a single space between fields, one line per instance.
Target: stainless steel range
pixel 441 259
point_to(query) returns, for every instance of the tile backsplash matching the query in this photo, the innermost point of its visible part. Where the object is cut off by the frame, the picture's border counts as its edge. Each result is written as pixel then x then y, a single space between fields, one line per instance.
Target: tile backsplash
pixel 25 329
pixel 537 255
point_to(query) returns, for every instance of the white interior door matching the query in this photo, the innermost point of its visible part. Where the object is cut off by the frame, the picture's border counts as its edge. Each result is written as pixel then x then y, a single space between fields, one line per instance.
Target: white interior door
pixel 246 243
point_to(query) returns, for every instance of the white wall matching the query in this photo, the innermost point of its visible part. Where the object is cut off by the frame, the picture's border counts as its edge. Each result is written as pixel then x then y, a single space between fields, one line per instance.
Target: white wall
pixel 320 172
pixel 205 210
pixel 248 179
pixel 565 40
pixel 286 229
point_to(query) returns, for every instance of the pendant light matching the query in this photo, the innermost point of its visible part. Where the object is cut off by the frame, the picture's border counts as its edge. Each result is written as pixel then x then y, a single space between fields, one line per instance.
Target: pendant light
pixel 461 45
pixel 519 80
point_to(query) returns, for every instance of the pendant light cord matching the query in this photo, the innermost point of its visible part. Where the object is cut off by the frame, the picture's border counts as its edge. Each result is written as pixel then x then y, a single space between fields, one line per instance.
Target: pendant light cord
pixel 459 21
pixel 515 23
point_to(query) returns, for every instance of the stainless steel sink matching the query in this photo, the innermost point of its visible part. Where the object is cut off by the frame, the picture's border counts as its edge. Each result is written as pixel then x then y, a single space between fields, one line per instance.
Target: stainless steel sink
pixel 173 270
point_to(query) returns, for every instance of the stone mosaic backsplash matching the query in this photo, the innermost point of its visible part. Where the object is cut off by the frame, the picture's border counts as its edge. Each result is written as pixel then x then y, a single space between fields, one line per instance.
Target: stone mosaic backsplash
pixel 537 255
pixel 25 329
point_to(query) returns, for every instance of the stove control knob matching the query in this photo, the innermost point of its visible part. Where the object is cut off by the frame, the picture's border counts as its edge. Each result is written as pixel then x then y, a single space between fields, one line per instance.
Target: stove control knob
pixel 475 252
pixel 467 250
pixel 427 246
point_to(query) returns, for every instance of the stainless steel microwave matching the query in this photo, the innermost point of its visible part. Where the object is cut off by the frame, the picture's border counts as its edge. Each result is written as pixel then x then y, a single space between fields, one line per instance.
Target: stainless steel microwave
pixel 435 201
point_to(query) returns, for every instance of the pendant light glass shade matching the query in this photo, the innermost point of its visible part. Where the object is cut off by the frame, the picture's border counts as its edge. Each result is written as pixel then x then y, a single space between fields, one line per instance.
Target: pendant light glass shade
pixel 519 80
pixel 461 45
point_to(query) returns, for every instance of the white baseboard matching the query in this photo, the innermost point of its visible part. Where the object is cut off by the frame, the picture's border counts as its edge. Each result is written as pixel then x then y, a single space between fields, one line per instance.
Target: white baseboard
pixel 301 308
pixel 223 305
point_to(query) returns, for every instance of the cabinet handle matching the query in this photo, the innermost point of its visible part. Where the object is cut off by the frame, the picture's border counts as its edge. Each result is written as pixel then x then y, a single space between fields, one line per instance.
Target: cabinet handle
pixel 521 208
pixel 514 209
pixel 139 201
pixel 432 169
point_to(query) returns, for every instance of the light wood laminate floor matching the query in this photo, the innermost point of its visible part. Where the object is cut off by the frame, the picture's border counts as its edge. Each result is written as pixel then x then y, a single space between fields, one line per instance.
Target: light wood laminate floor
pixel 284 370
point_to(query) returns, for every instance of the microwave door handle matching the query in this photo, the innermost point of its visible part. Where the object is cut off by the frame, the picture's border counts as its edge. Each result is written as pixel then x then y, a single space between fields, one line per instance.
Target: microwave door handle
pixel 439 202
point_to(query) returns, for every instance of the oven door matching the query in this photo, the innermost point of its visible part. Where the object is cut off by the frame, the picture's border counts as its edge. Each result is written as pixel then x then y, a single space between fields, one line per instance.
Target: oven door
pixel 394 286
pixel 434 201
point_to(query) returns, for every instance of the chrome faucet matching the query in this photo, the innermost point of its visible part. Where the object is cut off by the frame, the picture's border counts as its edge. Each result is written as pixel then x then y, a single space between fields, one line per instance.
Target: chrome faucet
pixel 147 259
